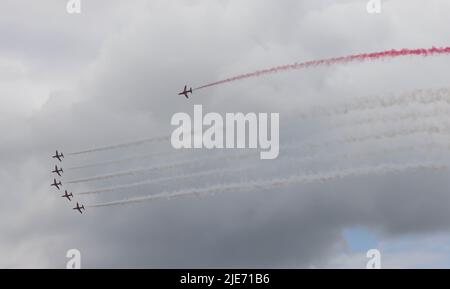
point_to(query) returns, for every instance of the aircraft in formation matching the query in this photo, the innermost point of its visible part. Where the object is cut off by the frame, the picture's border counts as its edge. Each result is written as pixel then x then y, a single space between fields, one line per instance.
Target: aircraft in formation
pixel 67 195
pixel 58 156
pixel 56 184
pixel 58 171
pixel 79 208
pixel 186 91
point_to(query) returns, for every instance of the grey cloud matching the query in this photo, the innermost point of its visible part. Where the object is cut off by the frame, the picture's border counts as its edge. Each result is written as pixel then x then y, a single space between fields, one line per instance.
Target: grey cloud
pixel 119 67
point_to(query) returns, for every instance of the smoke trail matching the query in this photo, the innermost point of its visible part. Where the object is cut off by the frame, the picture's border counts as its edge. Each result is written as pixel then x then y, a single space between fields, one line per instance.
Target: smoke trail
pixel 173 178
pixel 338 60
pixel 125 173
pixel 158 167
pixel 423 128
pixel 420 96
pixel 437 97
pixel 437 109
pixel 430 129
pixel 292 160
pixel 123 145
pixel 280 182
pixel 352 155
pixel 99 164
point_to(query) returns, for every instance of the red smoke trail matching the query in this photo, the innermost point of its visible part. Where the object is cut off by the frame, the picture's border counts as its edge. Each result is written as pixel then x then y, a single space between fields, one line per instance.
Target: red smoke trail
pixel 338 60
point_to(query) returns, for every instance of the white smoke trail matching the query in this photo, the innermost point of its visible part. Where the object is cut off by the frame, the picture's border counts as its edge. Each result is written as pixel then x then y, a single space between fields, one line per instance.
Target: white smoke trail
pixel 122 145
pixel 422 128
pixel 438 110
pixel 421 96
pixel 111 162
pixel 427 111
pixel 443 128
pixel 280 182
pixel 433 129
pixel 418 96
pixel 428 147
pixel 159 167
pixel 439 98
pixel 126 173
pixel 172 178
pixel 132 143
pixel 292 160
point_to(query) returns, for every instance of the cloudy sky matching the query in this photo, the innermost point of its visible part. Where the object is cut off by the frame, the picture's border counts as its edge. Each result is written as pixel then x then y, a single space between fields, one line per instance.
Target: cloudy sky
pixel 111 75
